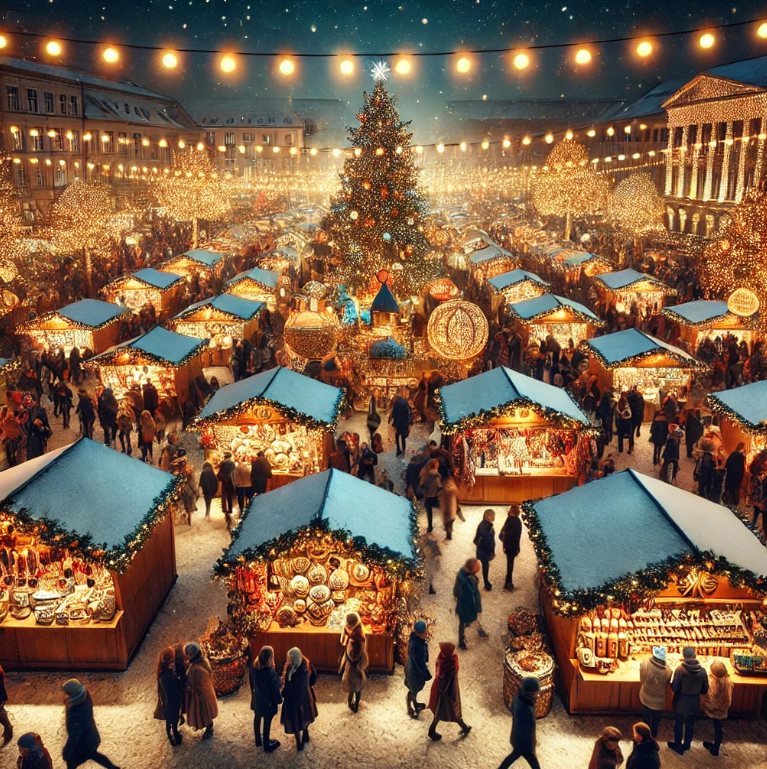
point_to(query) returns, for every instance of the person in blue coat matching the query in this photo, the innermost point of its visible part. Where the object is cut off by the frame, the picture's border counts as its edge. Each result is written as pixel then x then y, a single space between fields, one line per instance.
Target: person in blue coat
pixel 83 738
pixel 468 600
pixel 417 668
pixel 523 740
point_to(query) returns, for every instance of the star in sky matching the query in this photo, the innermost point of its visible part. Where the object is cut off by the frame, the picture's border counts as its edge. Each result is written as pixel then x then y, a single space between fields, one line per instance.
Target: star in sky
pixel 380 71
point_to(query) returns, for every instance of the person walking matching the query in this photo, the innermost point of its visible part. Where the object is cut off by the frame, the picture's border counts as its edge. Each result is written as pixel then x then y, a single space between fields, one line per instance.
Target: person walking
pixel 170 695
pixel 523 724
pixel 353 668
pixel 146 433
pixel 734 472
pixel 658 435
pixel 624 424
pixel 366 469
pixel 449 505
pixel 636 404
pixel 265 698
pixel 445 695
pixel 511 536
pixel 83 738
pixel 468 600
pixel 38 431
pixel 107 411
pixel 228 489
pixel 693 430
pixel 260 473
pixel 484 540
pixel 86 413
pixel 200 703
pixel 4 719
pixel 65 399
pixel 654 677
pixel 242 483
pixel 688 683
pixel 374 418
pixel 757 488
pixel 401 417
pixel 151 397
pixel 299 705
pixel 430 482
pixel 32 753
pixel 716 703
pixel 645 753
pixel 208 484
pixel 607 752
pixel 417 668
pixel 125 418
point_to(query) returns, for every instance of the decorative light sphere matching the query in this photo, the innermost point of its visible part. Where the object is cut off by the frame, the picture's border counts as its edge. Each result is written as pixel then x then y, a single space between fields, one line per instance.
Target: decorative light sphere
pixel 521 61
pixel 387 236
pixel 463 65
pixel 706 40
pixel 111 55
pixel 346 67
pixel 761 30
pixel 354 215
pixel 3 41
pixel 53 48
pixel 583 56
pixel 311 334
pixel 403 66
pixel 227 63
pixel 457 330
pixel 644 49
pixel 287 67
pixel 169 60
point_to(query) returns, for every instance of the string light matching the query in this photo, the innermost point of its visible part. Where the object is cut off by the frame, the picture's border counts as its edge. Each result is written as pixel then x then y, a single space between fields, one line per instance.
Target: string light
pixel 591 133
pixel 346 66
pixel 53 48
pixel 610 131
pixel 3 41
pixel 169 60
pixel 706 40
pixel 403 66
pixel 521 60
pixel 227 63
pixel 463 65
pixel 286 67
pixel 549 138
pixel 583 56
pixel 761 30
pixel 111 55
pixel 644 49
pixel 568 134
pixel 526 140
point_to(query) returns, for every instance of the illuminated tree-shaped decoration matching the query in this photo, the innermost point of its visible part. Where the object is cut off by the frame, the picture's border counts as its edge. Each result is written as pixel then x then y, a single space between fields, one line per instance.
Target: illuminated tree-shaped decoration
pixel 193 190
pixel 736 256
pixel 568 186
pixel 12 243
pixel 376 219
pixel 83 220
pixel 636 207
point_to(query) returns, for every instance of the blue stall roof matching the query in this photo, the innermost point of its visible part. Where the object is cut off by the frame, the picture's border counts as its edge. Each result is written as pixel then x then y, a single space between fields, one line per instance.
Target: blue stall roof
pixel 201 255
pixel 626 523
pixel 244 309
pixel 156 278
pixel 698 312
pixel 488 253
pixel 334 500
pixel 287 390
pixel 539 306
pixel 746 404
pixel 513 277
pixel 626 278
pixel 266 278
pixel 577 260
pixel 624 347
pixel 92 312
pixel 165 347
pixel 468 400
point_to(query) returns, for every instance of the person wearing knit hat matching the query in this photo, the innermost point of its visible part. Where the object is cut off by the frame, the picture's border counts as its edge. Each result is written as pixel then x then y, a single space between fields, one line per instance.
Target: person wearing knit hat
pixel 32 753
pixel 417 667
pixel 716 703
pixel 523 724
pixel 688 683
pixel 4 720
pixel 200 702
pixel 83 738
pixel 654 677
pixel 607 752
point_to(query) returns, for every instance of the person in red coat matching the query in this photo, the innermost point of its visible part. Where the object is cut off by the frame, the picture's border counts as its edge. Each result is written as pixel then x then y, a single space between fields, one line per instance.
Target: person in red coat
pixel 445 695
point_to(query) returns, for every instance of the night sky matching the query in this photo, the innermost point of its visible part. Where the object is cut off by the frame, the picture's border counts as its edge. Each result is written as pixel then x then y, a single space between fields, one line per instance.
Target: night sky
pixel 398 25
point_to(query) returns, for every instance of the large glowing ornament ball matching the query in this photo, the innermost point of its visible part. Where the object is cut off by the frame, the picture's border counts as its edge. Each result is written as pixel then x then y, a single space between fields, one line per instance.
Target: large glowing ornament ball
pixel 8 270
pixel 227 63
pixel 311 334
pixel 169 60
pixel 706 40
pixel 457 330
pixel 287 67
pixel 521 61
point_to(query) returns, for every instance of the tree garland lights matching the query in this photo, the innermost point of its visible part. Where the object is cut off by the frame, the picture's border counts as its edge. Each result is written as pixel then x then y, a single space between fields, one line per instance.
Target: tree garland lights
pixel 630 588
pixel 635 205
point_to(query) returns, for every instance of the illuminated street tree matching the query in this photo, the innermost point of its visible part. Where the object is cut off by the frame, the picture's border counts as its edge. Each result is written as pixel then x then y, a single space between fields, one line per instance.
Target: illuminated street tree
pixel 376 218
pixel 12 230
pixel 568 186
pixel 193 190
pixel 636 207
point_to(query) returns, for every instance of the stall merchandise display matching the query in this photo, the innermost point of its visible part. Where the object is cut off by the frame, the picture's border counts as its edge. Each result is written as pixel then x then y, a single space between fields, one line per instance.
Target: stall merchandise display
pixel 135 298
pixel 121 379
pixel 564 333
pixel 220 333
pixel 651 382
pixel 66 338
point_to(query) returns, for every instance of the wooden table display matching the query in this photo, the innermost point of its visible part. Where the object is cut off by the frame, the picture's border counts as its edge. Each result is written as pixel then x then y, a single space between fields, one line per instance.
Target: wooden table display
pixel 608 598
pixel 309 553
pixel 288 416
pixel 708 319
pixel 164 290
pixel 91 597
pixel 514 437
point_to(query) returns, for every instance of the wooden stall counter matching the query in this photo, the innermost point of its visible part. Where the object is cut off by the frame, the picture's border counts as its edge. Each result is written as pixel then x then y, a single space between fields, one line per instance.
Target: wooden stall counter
pixel 322 646
pixel 507 489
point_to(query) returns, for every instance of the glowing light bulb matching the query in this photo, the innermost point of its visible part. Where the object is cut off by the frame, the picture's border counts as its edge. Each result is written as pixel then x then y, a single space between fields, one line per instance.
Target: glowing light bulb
pixel 287 67
pixel 610 131
pixel 627 129
pixel 346 67
pixel 227 63
pixel 200 146
pixel 706 40
pixel 583 56
pixel 313 152
pixel 526 141
pixel 403 66
pixel 463 146
pixel 506 143
pixel 53 48
pixel 644 49
pixel 549 138
pixel 485 144
pixel 463 65
pixel 3 41
pixel 591 133
pixel 521 61
pixel 111 55
pixel 568 134
pixel 169 60
pixel 761 31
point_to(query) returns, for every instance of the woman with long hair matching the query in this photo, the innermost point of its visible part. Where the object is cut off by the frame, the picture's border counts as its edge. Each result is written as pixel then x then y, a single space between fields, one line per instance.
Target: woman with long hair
pixel 445 695
pixel 646 752
pixel 607 752
pixel 265 698
pixel 716 702
pixel 146 434
pixel 299 704
pixel 170 695
pixel 431 484
pixel 354 661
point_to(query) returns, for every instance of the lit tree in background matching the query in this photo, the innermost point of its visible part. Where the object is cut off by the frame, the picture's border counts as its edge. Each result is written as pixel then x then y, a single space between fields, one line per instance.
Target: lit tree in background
pixel 376 219
pixel 12 230
pixel 636 207
pixel 193 190
pixel 83 220
pixel 569 186
pixel 735 257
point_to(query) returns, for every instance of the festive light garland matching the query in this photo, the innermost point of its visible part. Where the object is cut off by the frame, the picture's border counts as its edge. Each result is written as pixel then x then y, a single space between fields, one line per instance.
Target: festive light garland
pixel 118 283
pixel 685 363
pixel 659 287
pixel 743 323
pixel 35 324
pixel 138 357
pixel 723 410
pixel 633 587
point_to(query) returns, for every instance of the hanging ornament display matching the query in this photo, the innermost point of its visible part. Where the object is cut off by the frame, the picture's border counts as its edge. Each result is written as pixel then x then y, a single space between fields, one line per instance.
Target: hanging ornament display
pixel 443 289
pixel 457 330
pixel 311 334
pixel 387 236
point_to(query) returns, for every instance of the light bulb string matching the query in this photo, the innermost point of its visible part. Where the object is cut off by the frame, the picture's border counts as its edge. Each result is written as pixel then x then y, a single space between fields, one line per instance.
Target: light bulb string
pixel 403 53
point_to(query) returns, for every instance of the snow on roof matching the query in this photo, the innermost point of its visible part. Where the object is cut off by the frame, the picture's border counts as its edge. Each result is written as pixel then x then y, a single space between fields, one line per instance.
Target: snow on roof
pixel 511 278
pixel 501 387
pixel 488 254
pixel 700 311
pixel 528 309
pixel 264 277
pixel 595 541
pixel 341 501
pixel 282 387
pixel 201 255
pixel 88 489
pixel 92 312
pixel 168 345
pixel 749 403
pixel 625 278
pixel 581 258
pixel 624 346
pixel 156 278
pixel 384 301
pixel 244 309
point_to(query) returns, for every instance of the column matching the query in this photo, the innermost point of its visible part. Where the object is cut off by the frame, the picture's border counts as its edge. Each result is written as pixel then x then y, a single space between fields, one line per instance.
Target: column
pixel 682 158
pixel 742 146
pixel 760 153
pixel 709 181
pixel 725 177
pixel 694 162
pixel 670 162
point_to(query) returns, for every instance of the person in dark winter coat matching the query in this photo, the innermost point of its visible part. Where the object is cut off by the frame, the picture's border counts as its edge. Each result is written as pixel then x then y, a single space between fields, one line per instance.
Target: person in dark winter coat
pixel 735 471
pixel 265 698
pixel 208 484
pixel 484 539
pixel 523 741
pixel 228 489
pixel 32 753
pixel 689 682
pixel 151 397
pixel 374 418
pixel 400 418
pixel 4 720
pixel 83 738
pixel 299 706
pixel 86 413
pixel 658 435
pixel 646 752
pixel 260 473
pixel 65 398
pixel 693 430
pixel 510 536
pixel 445 695
pixel 636 404
pixel 38 431
pixel 607 752
pixel 108 408
pixel 170 695
pixel 366 470
pixel 468 600
pixel 416 668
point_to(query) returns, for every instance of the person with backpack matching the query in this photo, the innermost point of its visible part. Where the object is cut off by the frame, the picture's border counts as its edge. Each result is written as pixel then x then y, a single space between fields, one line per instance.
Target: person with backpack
pixel 367 464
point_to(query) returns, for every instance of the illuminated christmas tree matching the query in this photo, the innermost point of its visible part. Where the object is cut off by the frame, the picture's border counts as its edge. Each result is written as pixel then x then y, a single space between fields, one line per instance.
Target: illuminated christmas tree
pixel 568 186
pixel 635 206
pixel 376 219
pixel 193 190
pixel 12 243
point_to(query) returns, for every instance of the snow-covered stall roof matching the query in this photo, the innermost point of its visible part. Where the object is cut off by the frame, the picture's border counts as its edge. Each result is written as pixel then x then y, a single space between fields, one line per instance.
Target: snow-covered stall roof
pixel 489 253
pixel 540 306
pixel 200 255
pixel 622 279
pixel 149 277
pixel 747 405
pixel 258 275
pixel 581 259
pixel 167 348
pixel 513 277
pixel 87 314
pixel 699 312
pixel 236 306
pixel 622 348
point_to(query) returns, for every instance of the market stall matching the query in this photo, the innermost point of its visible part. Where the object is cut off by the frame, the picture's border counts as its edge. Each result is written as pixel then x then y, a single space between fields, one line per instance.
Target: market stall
pixel 491 261
pixel 163 290
pixel 222 320
pixel 309 553
pixel 629 562
pixel 288 416
pixel 514 286
pixel 513 436
pixel 743 417
pixel 551 315
pixel 584 263
pixel 256 284
pixel 88 324
pixel 631 357
pixel 87 557
pixel 626 288
pixel 169 360
pixel 196 262
pixel 708 319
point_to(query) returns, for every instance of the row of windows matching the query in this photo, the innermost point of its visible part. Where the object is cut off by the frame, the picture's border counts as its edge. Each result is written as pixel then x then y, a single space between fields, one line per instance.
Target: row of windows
pixel 68 105
pixel 230 138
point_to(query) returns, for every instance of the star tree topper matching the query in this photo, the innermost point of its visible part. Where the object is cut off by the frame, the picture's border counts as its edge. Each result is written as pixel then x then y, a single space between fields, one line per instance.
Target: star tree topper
pixel 379 71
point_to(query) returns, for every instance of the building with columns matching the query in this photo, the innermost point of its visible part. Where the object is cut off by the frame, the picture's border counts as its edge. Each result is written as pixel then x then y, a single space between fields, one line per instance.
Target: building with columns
pixel 716 144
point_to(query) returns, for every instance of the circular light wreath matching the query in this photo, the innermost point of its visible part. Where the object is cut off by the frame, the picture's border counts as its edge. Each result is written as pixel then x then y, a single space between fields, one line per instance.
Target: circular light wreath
pixel 457 330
